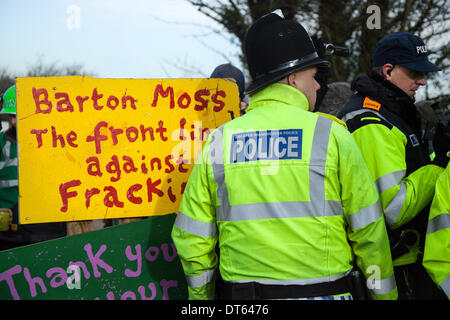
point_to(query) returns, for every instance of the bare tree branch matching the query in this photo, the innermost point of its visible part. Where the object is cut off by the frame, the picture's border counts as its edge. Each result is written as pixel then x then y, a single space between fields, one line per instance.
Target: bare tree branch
pixel 341 22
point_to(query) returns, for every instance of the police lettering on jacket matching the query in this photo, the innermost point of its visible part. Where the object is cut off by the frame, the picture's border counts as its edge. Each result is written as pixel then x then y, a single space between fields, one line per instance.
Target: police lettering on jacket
pixel 266 145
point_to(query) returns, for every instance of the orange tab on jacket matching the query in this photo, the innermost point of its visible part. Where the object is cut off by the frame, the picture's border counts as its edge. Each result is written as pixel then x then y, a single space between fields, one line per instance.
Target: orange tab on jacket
pixel 371 104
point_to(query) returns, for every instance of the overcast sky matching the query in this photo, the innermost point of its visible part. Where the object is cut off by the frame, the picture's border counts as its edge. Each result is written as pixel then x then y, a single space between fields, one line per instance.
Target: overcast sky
pixel 112 38
pixel 115 38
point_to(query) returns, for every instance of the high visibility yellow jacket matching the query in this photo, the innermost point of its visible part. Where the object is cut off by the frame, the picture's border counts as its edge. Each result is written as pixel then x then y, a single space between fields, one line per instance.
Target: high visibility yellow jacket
pixel 288 196
pixel 385 125
pixel 436 258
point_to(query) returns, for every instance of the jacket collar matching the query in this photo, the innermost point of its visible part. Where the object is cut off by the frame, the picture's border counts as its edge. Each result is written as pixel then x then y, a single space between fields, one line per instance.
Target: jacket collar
pixel 378 87
pixel 281 93
pixel 388 94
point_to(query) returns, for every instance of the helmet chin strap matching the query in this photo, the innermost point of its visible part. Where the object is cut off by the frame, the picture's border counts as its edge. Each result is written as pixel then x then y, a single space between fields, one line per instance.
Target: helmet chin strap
pixel 286 65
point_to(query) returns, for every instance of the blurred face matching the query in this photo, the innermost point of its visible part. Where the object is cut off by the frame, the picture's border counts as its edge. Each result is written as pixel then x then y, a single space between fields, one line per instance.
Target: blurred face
pixel 406 79
pixel 304 81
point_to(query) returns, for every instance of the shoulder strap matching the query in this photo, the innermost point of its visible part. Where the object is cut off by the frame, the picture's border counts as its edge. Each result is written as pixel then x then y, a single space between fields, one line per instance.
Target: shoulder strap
pixel 361 117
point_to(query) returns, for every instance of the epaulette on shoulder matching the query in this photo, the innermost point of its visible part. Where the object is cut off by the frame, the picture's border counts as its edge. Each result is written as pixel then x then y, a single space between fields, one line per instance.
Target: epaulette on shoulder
pixel 335 119
pixel 368 114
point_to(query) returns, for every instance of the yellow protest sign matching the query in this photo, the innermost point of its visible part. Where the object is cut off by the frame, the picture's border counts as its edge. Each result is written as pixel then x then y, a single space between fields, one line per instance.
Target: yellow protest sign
pixel 112 148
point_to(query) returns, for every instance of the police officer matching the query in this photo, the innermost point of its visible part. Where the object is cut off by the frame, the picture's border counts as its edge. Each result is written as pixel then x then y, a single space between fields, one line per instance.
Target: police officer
pixel 276 189
pixel 436 257
pixel 386 125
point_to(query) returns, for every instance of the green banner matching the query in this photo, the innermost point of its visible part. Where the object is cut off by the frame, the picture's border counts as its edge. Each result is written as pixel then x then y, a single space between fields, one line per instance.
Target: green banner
pixel 136 261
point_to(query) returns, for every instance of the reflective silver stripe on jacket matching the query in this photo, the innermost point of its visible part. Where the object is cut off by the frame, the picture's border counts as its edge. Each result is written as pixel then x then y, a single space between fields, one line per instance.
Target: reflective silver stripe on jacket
pixel 9 183
pixel 445 285
pixel 389 180
pixel 216 156
pixel 439 222
pixel 278 210
pixel 7 156
pixel 300 282
pixel 395 206
pixel 317 169
pixel 364 216
pixel 201 280
pixel 385 286
pixel 6 153
pixel 199 228
pixel 353 114
pixel 7 163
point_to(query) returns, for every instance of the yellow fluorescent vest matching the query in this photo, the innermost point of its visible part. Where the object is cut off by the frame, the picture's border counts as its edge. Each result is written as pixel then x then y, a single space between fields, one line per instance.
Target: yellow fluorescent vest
pixel 289 198
pixel 436 258
pixel 384 150
pixel 402 197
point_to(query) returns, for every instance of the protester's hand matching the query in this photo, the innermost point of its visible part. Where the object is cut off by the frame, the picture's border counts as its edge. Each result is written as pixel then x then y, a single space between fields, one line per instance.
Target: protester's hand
pixel 441 144
pixel 10 214
pixel 4 226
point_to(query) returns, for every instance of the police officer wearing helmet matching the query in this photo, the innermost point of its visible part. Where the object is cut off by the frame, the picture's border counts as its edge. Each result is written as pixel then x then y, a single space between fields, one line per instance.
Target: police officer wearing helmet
pixel 386 125
pixel 275 188
pixel 17 235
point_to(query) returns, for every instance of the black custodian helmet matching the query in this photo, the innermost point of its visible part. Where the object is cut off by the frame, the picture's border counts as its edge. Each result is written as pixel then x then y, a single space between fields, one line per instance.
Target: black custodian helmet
pixel 275 47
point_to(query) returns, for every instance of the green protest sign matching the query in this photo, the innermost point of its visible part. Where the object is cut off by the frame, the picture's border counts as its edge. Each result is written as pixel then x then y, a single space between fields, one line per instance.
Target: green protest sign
pixel 135 261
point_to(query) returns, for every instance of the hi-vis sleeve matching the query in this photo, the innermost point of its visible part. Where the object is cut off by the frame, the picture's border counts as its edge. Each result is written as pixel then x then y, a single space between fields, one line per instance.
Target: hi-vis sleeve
pixel 195 232
pixel 367 229
pixel 436 258
pixel 383 148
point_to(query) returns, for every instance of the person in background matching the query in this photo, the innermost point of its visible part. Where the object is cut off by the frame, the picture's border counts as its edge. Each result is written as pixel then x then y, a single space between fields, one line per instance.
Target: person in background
pixel 386 125
pixel 230 72
pixel 18 234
